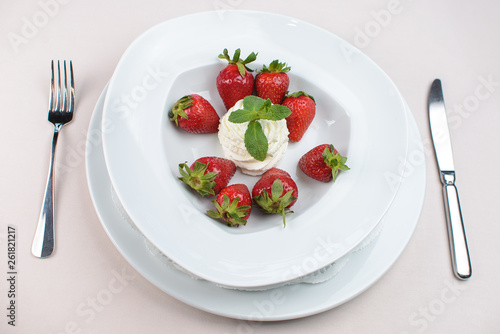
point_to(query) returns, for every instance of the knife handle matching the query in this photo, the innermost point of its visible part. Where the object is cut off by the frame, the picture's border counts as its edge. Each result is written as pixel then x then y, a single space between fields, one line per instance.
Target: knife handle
pixel 456 231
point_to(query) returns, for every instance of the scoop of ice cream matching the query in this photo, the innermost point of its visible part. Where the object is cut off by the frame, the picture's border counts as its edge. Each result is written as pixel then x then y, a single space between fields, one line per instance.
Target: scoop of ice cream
pixel 232 139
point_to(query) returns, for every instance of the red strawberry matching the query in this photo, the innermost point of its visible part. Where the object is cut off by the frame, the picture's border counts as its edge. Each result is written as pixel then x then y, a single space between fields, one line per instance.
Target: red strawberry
pixel 275 192
pixel 195 114
pixel 235 81
pixel 272 82
pixel 323 163
pixel 233 205
pixel 207 175
pixel 303 109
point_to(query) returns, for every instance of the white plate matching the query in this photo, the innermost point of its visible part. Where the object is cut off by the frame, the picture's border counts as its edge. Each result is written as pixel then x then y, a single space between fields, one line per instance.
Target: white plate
pixel 363 269
pixel 359 110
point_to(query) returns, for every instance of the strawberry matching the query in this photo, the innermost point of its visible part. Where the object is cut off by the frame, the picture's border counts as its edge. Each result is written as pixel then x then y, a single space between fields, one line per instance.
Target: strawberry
pixel 272 82
pixel 195 114
pixel 275 192
pixel 303 109
pixel 233 205
pixel 235 81
pixel 323 163
pixel 207 175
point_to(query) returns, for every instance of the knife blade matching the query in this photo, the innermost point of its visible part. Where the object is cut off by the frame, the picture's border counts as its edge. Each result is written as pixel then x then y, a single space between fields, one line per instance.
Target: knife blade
pixel 444 155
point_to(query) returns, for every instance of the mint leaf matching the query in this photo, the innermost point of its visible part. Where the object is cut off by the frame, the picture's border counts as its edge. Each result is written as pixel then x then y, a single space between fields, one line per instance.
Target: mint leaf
pixel 255 108
pixel 256 141
pixel 249 112
pixel 242 116
pixel 275 112
pixel 253 103
pixel 265 111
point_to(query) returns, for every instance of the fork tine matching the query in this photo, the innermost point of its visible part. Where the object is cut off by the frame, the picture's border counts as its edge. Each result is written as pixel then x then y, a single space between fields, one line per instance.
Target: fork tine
pixel 72 90
pixel 52 88
pixel 65 90
pixel 58 88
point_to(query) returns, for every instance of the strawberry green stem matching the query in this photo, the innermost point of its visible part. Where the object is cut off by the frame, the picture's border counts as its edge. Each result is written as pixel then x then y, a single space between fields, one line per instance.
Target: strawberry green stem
pixel 335 161
pixel 275 67
pixel 197 178
pixel 300 93
pixel 178 108
pixel 240 63
pixel 275 203
pixel 230 212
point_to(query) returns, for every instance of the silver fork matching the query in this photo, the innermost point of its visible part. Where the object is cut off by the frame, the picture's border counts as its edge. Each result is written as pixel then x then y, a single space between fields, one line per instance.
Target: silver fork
pixel 61 107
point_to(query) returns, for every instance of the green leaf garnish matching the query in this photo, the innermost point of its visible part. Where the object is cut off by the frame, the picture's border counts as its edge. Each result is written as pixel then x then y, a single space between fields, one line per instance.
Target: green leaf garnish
pixel 242 116
pixel 251 106
pixel 276 112
pixel 255 108
pixel 256 141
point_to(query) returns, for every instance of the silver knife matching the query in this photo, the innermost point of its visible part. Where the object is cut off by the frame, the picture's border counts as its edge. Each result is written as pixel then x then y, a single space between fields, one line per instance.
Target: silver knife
pixel 444 155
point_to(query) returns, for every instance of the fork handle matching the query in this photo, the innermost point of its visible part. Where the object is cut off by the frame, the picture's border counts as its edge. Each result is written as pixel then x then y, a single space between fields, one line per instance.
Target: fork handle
pixel 43 242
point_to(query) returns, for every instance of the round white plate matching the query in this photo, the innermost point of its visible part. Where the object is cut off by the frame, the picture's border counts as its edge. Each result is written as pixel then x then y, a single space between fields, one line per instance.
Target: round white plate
pixel 363 269
pixel 359 110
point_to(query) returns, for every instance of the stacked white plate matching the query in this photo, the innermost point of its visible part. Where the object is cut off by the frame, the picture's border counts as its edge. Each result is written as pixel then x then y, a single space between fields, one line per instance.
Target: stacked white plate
pixel 133 171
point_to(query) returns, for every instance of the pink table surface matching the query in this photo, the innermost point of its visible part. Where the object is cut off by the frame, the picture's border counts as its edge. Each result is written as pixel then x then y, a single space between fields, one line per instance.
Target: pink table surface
pixel 412 41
